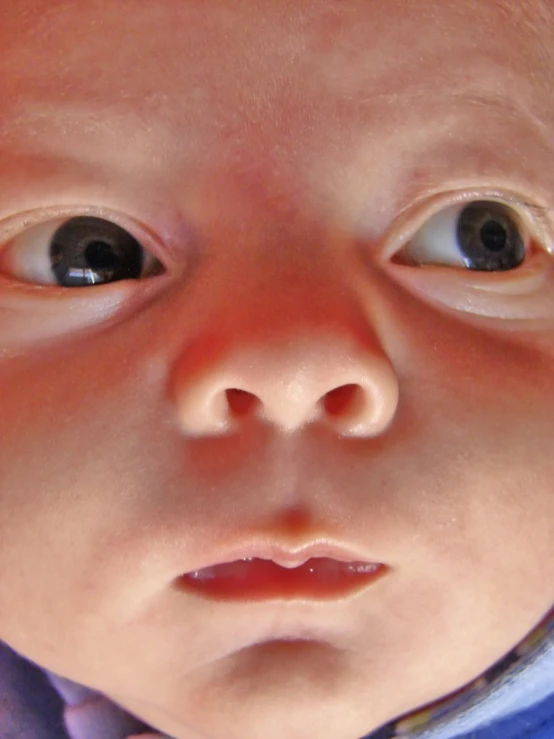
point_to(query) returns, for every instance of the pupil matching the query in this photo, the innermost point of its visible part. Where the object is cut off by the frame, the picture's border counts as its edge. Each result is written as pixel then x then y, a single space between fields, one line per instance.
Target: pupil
pixel 100 255
pixel 493 235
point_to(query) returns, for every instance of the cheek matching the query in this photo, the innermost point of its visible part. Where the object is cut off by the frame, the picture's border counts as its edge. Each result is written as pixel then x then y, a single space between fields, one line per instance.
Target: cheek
pixel 60 455
pixel 468 457
pixel 465 374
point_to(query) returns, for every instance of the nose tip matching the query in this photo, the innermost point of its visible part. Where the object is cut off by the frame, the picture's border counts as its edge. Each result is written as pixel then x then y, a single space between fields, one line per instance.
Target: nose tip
pixel 354 396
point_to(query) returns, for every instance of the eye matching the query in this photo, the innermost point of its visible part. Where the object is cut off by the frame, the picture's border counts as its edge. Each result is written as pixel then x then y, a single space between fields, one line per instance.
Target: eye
pixel 78 252
pixel 482 235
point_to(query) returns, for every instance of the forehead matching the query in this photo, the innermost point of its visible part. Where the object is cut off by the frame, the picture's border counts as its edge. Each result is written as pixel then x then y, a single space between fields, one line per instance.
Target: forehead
pixel 185 80
pixel 256 51
pixel 176 41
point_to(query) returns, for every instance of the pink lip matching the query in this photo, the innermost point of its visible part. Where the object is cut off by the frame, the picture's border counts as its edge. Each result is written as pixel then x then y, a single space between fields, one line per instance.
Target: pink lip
pixel 316 571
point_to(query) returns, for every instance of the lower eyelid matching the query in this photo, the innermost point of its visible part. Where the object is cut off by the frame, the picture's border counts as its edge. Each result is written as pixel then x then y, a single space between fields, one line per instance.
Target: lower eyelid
pixel 39 314
pixel 521 299
pixel 31 315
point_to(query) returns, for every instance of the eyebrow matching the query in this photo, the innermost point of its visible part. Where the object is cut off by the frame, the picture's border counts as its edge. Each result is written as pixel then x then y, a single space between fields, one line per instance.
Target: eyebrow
pixel 532 16
pixel 533 12
pixel 42 129
pixel 507 105
pixel 512 107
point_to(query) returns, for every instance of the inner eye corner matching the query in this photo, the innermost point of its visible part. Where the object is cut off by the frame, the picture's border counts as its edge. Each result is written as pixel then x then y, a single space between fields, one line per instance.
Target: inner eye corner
pixel 402 257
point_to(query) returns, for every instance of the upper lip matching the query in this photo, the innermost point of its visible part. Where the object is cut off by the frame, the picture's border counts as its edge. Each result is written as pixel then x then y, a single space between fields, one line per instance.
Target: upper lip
pixel 287 556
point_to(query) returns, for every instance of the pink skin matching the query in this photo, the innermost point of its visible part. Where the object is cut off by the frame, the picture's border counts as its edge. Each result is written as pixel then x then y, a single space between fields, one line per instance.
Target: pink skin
pixel 275 157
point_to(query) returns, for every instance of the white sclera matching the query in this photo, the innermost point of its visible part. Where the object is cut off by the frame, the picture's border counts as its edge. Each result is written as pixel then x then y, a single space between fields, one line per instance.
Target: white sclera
pixel 437 241
pixel 29 253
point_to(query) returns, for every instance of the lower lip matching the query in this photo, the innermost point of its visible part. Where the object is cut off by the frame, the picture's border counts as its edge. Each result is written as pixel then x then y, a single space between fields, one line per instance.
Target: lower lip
pixel 260 579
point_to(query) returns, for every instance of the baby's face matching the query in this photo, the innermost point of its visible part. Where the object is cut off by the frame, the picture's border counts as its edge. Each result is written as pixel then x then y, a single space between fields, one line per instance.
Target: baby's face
pixel 297 177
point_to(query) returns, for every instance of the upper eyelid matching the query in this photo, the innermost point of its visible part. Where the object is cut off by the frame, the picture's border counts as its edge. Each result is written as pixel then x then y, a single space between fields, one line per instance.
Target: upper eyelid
pixel 540 218
pixel 15 225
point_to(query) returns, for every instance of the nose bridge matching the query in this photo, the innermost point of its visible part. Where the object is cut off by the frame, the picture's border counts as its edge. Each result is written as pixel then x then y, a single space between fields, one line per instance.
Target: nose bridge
pixel 300 354
pixel 284 338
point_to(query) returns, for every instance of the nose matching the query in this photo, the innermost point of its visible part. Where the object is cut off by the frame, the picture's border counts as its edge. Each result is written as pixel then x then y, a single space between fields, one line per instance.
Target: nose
pixel 321 377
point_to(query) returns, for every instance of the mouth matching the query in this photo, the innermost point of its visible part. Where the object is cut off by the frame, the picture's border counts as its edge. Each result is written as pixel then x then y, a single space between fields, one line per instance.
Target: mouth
pixel 253 578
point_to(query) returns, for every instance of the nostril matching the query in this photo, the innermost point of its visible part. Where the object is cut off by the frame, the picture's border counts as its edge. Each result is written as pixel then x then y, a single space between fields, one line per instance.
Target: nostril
pixel 241 402
pixel 341 400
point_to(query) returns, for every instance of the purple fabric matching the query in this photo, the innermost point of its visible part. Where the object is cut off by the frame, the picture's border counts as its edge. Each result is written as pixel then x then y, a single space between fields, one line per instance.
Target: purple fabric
pixel 35 704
